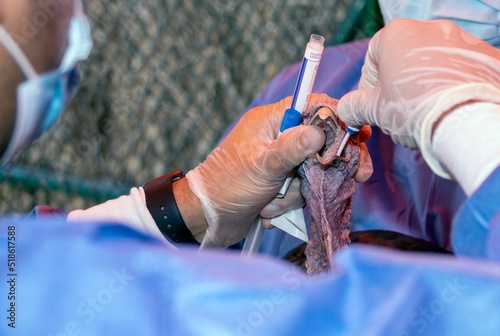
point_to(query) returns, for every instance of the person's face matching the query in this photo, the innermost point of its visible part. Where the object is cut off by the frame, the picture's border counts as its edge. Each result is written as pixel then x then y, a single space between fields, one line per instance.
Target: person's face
pixel 40 28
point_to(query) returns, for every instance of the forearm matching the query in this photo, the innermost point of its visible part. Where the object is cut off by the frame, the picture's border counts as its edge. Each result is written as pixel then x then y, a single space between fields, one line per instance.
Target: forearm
pixel 468 143
pixel 128 209
pixel 190 208
pixel 131 210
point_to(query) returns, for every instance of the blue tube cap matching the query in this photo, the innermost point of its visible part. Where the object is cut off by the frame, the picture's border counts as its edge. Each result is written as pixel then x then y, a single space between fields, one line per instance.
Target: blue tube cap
pixel 291 118
pixel 352 129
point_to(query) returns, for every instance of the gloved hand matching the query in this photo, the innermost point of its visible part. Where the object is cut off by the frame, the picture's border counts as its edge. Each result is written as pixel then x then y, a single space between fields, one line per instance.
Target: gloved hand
pixel 293 198
pixel 249 167
pixel 415 73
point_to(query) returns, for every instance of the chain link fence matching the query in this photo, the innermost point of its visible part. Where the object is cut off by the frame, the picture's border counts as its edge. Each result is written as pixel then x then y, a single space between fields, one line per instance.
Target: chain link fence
pixel 164 80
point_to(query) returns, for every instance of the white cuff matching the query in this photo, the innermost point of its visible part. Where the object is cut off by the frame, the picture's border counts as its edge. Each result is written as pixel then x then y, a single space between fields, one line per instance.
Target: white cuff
pixel 450 100
pixel 130 210
pixel 467 144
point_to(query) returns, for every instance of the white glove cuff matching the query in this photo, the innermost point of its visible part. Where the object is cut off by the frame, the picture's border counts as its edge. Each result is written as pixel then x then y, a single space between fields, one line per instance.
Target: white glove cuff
pixel 471 92
pixel 467 144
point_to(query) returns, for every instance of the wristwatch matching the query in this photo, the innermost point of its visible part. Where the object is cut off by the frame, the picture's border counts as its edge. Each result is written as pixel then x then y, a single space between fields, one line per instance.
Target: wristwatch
pixel 161 204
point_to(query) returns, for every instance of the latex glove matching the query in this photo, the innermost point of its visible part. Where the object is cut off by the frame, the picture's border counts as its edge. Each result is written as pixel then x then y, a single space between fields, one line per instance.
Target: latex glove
pixel 249 167
pixel 293 198
pixel 415 73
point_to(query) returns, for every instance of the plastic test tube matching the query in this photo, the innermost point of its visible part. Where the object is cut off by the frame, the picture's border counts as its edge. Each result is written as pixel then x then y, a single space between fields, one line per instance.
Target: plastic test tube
pixel 292 117
pixel 302 92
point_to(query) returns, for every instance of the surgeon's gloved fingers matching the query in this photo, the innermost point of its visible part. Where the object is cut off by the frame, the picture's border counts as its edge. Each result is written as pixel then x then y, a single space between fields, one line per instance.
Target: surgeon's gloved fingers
pixel 291 148
pixel 293 200
pixel 359 107
pixel 369 71
pixel 266 223
pixel 365 169
pixel 246 171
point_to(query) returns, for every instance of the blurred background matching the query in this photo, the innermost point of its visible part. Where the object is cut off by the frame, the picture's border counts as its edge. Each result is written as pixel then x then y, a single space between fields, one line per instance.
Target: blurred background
pixel 164 80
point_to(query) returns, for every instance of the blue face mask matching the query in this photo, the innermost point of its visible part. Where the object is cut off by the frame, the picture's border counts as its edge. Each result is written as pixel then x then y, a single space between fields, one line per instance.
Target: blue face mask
pixel 480 18
pixel 42 98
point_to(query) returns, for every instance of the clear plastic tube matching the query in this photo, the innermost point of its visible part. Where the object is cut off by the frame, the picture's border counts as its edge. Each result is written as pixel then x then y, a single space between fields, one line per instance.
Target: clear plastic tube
pixel 301 94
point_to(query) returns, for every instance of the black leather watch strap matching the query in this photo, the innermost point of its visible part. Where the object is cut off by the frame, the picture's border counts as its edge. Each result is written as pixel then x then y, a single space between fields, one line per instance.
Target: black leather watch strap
pixel 162 206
